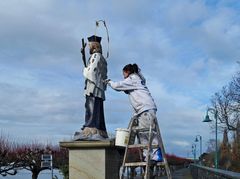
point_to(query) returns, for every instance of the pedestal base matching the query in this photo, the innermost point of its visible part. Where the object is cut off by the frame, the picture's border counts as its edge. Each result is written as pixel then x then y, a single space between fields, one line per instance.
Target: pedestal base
pixel 93 159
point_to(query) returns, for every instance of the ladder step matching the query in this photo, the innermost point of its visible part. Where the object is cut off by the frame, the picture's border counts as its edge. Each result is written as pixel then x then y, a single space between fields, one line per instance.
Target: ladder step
pixel 139 164
pixel 133 164
pixel 143 146
pixel 141 129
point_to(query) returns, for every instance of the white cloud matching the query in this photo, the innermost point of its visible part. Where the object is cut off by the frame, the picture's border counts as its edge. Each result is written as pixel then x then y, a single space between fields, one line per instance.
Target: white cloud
pixel 186 49
pixel 181 143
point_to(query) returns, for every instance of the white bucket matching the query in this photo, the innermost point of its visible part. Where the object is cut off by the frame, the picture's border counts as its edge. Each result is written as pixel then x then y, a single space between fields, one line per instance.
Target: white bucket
pixel 122 137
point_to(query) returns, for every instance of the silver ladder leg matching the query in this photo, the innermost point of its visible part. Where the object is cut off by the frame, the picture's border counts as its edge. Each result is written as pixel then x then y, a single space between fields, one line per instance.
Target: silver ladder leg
pixel 160 143
pixel 130 126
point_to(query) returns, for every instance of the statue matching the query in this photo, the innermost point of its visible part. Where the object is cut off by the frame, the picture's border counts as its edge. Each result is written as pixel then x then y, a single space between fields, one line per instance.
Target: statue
pixel 95 72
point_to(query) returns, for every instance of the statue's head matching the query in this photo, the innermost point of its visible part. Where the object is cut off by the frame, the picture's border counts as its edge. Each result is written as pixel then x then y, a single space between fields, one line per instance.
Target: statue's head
pixel 95 44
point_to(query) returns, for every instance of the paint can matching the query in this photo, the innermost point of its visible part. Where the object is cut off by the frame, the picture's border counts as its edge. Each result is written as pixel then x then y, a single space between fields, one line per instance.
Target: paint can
pixel 122 137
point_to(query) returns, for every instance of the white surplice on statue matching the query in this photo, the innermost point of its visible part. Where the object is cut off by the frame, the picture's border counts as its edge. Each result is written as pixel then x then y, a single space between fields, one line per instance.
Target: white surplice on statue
pixel 96 72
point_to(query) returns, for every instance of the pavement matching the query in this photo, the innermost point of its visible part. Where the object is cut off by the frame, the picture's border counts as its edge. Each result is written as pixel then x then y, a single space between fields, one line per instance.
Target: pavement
pixel 178 174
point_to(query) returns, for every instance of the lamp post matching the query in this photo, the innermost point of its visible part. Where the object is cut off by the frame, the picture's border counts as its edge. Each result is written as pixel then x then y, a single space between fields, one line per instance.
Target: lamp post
pixel 200 141
pixel 207 119
pixel 194 151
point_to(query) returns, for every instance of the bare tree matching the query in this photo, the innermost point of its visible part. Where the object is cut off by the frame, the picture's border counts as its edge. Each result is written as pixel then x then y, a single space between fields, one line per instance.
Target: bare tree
pixel 30 156
pixel 211 145
pixel 236 150
pixel 14 156
pixel 227 104
pixel 225 152
pixel 8 163
pixel 234 90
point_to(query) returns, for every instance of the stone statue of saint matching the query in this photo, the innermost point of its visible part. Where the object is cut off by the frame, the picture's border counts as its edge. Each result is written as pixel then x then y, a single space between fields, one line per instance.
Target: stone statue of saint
pixel 95 73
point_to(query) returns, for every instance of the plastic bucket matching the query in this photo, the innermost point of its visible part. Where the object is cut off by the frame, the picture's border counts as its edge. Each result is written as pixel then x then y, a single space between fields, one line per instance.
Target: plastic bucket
pixel 122 137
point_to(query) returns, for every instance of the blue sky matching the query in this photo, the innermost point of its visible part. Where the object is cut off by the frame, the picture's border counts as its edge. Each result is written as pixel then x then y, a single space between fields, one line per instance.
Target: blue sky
pixel 187 50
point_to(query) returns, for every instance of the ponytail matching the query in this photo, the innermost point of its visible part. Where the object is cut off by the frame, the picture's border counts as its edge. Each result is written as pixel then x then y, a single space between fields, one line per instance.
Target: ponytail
pixel 135 68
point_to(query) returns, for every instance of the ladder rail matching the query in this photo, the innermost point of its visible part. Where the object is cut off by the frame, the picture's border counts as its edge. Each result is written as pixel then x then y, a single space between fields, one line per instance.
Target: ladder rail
pixel 126 149
pixel 163 150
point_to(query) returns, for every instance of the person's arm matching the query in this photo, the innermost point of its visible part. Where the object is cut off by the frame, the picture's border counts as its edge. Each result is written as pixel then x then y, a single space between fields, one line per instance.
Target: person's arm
pixel 125 85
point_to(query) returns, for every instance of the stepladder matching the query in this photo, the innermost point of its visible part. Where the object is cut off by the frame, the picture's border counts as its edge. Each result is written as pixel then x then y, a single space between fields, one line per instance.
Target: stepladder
pixel 144 155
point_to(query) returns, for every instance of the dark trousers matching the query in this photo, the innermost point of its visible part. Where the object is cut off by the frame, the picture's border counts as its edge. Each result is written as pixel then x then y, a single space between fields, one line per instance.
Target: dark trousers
pixel 94 116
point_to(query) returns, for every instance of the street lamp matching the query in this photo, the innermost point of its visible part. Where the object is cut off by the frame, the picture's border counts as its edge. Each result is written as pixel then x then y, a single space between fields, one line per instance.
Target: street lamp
pixel 207 119
pixel 194 151
pixel 200 139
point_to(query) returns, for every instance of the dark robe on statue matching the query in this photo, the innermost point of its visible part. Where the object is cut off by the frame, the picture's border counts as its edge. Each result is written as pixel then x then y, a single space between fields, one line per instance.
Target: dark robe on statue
pixel 94 116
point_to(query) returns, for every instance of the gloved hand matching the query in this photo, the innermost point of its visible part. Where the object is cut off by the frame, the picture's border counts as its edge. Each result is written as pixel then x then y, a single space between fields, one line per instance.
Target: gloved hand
pixel 106 81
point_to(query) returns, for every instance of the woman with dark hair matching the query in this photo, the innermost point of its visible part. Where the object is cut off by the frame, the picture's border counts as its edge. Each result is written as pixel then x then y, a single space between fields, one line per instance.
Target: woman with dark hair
pixel 134 84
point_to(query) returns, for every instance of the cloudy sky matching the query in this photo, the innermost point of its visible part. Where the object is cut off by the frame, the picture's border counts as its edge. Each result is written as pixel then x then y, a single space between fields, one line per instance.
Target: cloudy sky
pixel 187 50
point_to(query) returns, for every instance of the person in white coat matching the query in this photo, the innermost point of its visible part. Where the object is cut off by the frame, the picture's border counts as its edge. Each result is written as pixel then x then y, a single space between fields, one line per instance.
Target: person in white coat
pixel 134 84
pixel 94 91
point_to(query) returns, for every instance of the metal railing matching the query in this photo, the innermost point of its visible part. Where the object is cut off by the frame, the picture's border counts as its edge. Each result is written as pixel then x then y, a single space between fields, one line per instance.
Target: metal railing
pixel 202 172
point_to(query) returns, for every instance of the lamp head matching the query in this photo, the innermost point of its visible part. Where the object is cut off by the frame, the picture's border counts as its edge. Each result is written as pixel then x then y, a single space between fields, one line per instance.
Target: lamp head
pixel 207 119
pixel 196 140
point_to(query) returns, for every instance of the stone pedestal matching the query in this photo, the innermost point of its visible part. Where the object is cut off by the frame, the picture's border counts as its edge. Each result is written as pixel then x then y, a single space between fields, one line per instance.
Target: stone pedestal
pixel 93 159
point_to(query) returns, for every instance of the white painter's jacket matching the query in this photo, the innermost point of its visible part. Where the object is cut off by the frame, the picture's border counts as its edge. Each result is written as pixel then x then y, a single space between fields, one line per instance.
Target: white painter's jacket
pixel 139 95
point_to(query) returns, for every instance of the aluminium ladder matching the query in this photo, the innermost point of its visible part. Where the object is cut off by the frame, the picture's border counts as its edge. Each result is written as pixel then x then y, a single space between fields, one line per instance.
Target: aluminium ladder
pixel 147 164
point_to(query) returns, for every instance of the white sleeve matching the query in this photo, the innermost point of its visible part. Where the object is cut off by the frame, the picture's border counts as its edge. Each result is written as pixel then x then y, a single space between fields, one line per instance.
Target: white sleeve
pixel 125 85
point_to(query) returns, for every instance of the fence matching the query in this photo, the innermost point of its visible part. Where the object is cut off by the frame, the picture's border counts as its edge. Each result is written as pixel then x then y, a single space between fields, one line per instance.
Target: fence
pixel 202 172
